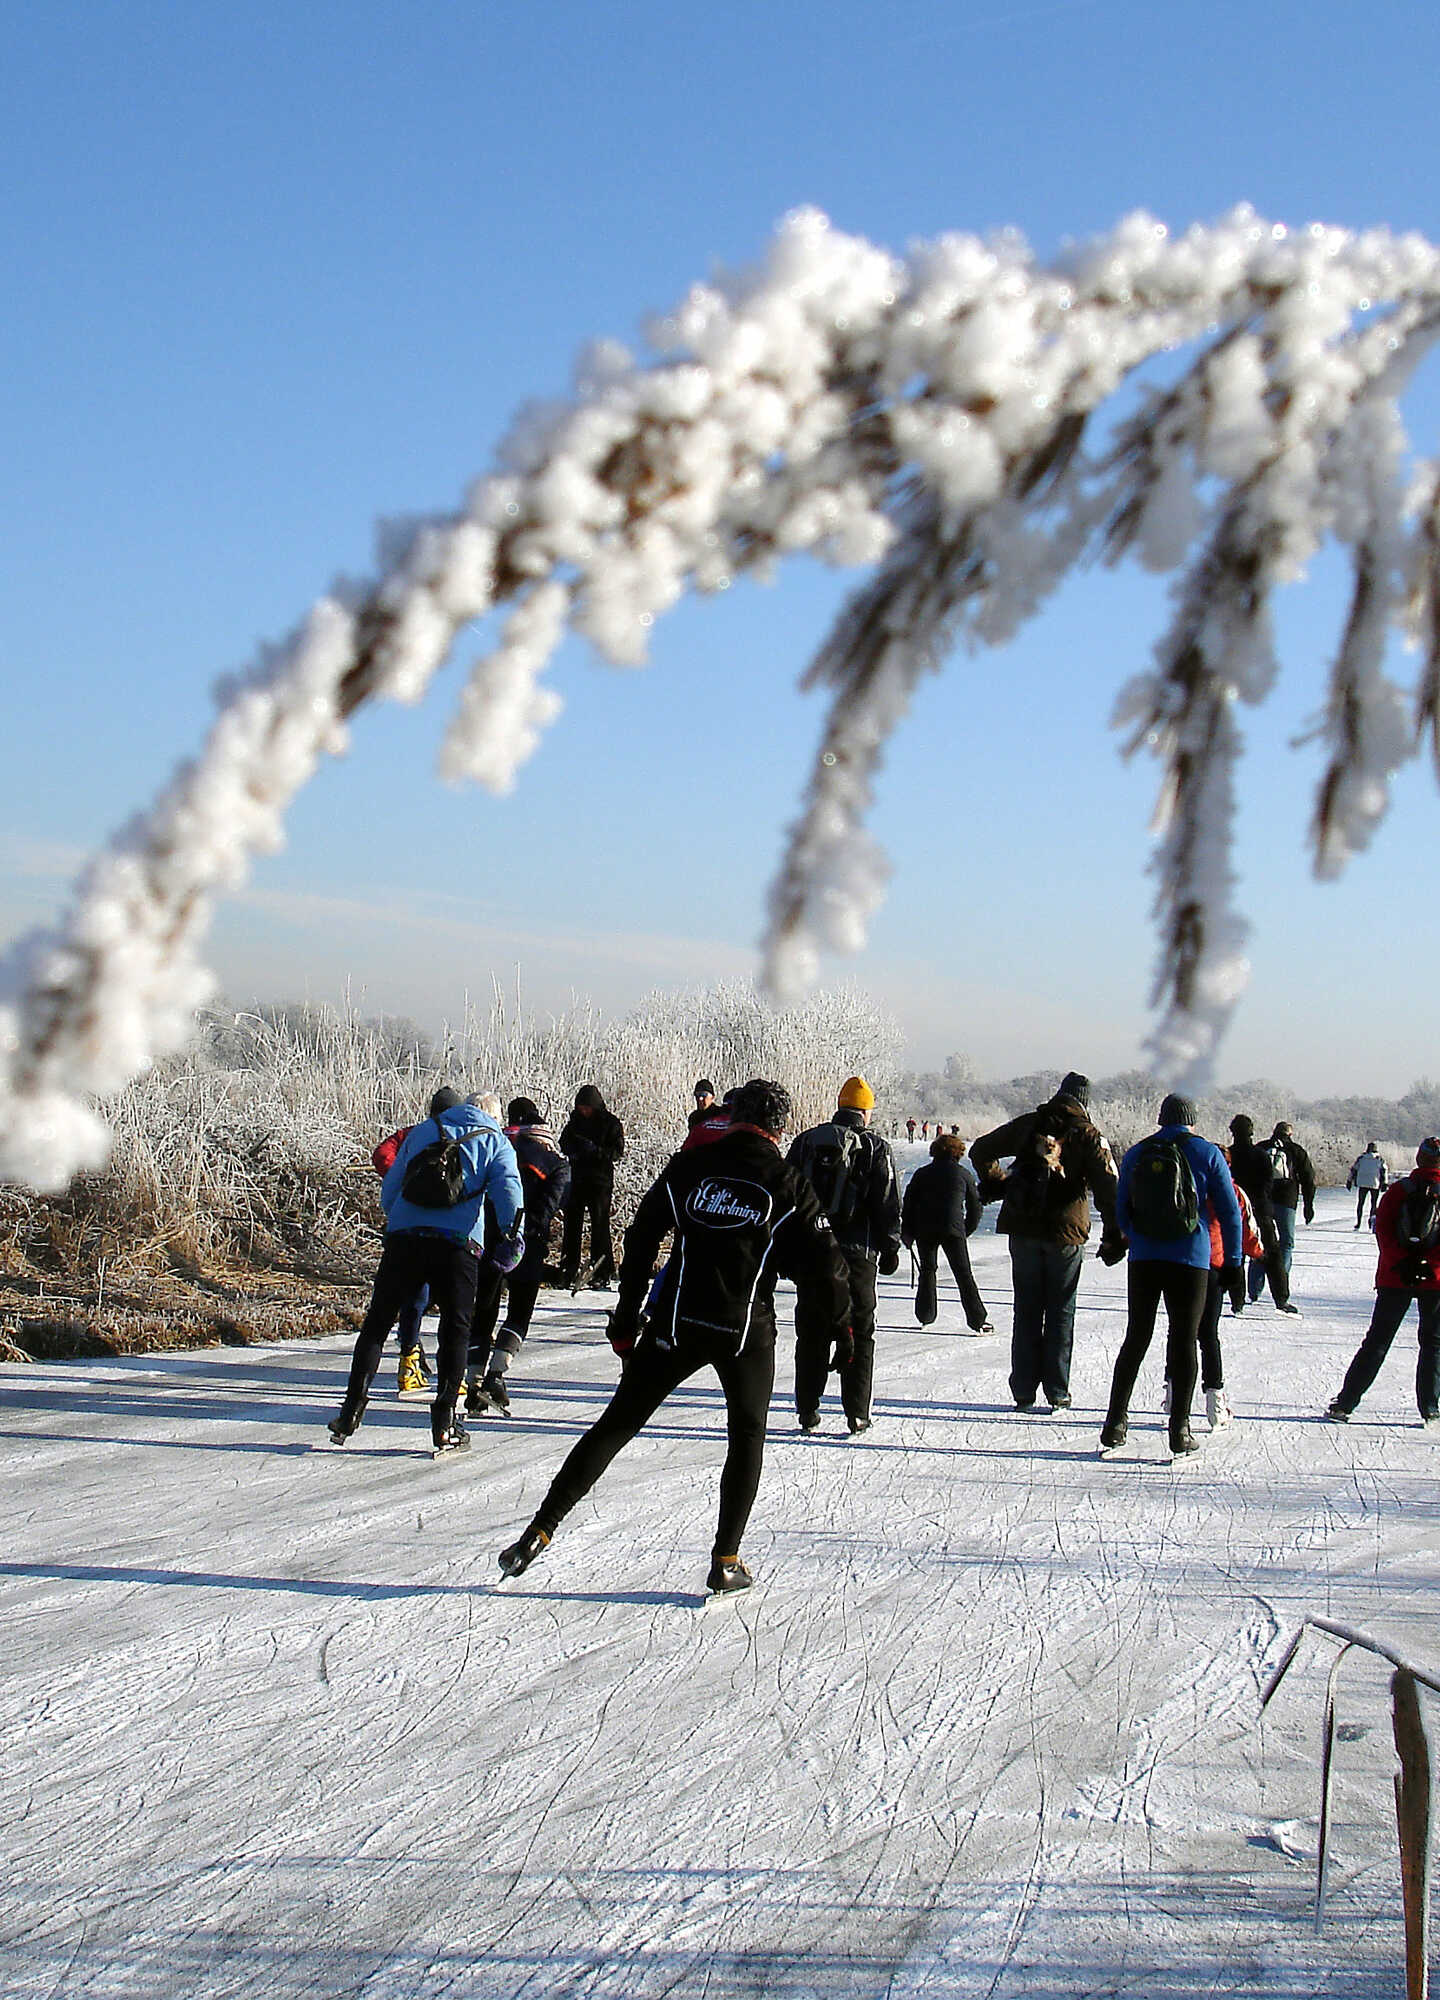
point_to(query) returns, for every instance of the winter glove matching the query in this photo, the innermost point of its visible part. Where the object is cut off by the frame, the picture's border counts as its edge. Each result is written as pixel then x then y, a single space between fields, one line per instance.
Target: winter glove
pixel 507 1250
pixel 622 1329
pixel 1112 1250
pixel 1232 1282
pixel 889 1263
pixel 843 1352
pixel 1309 1213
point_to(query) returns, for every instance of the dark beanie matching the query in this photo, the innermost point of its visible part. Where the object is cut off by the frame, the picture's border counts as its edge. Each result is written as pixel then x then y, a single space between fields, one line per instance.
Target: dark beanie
pixel 1242 1127
pixel 444 1100
pixel 704 1088
pixel 588 1098
pixel 523 1111
pixel 1177 1110
pixel 1427 1153
pixel 1072 1084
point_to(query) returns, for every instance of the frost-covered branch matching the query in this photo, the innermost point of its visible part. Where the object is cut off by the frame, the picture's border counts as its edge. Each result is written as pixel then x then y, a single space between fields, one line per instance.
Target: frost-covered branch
pixel 931 414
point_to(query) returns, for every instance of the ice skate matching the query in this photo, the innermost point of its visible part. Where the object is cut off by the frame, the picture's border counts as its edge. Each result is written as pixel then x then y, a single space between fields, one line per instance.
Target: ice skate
pixel 1113 1436
pixel 727 1573
pixel 412 1374
pixel 1184 1443
pixel 518 1557
pixel 1217 1409
pixel 347 1422
pixel 447 1432
pixel 1337 1412
pixel 496 1395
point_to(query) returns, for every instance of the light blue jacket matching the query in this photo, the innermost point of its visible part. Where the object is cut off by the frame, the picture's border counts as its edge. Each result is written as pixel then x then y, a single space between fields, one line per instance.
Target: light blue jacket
pixel 491 1174
pixel 1214 1190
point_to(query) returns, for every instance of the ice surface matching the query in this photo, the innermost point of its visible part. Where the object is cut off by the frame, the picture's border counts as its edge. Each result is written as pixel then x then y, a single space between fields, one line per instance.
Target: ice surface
pixel 271 1726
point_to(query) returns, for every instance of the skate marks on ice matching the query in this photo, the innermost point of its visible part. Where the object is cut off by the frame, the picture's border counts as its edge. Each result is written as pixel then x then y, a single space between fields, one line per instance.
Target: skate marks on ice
pixel 988 1725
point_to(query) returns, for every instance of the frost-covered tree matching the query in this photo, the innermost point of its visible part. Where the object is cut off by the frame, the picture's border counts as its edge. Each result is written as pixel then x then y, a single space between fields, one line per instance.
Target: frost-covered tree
pixel 937 416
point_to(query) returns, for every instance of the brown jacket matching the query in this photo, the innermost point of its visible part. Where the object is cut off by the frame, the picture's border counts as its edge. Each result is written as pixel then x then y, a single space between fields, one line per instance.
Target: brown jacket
pixel 1051 1208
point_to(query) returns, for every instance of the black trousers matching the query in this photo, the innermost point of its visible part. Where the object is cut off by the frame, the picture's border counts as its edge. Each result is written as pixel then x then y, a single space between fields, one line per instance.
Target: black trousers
pixel 1391 1306
pixel 521 1289
pixel 651 1373
pixel 593 1199
pixel 1275 1272
pixel 857 1376
pixel 1183 1288
pixel 957 1256
pixel 1212 1364
pixel 1360 1198
pixel 409 1259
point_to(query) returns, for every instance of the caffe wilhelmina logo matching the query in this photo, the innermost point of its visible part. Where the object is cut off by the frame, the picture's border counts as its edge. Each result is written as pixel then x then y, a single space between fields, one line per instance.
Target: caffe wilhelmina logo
pixel 725 1204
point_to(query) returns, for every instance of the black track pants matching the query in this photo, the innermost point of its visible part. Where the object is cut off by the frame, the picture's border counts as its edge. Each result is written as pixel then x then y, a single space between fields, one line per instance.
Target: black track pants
pixel 650 1375
pixel 412 1258
pixel 1183 1288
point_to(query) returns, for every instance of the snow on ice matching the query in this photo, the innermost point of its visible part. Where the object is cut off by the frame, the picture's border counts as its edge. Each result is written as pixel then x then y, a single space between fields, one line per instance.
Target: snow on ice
pixel 989 1726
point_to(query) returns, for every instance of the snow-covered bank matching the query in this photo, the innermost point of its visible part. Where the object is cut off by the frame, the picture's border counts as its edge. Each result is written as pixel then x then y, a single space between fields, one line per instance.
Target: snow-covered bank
pixel 990 1726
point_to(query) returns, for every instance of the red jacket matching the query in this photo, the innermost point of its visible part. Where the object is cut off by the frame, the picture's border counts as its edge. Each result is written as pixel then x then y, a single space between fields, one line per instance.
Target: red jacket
pixel 1391 1273
pixel 1249 1236
pixel 383 1157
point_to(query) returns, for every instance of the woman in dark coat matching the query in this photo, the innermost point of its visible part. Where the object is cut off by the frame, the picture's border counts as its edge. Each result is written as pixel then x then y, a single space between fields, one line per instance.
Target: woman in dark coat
pixel 941 1209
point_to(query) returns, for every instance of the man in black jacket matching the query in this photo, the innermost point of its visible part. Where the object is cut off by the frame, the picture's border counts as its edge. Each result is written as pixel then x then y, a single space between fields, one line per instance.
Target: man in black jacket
pixel 740 1218
pixel 1060 1160
pixel 592 1141
pixel 1254 1169
pixel 852 1171
pixel 1292 1186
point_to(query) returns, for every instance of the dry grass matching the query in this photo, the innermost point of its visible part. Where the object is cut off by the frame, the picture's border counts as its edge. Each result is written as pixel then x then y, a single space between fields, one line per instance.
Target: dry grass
pixel 240 1203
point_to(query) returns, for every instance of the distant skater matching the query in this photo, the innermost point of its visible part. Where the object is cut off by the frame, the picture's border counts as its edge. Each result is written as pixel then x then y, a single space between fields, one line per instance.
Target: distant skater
pixel 1368 1178
pixel 940 1211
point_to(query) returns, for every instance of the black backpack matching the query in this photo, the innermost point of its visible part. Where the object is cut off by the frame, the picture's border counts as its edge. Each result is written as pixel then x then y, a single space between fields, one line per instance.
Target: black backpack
pixel 435 1177
pixel 1164 1204
pixel 834 1164
pixel 1417 1221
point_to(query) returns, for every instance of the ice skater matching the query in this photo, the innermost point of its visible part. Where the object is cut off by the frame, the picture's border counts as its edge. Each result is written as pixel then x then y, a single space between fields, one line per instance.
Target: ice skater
pixel 1407 1237
pixel 740 1218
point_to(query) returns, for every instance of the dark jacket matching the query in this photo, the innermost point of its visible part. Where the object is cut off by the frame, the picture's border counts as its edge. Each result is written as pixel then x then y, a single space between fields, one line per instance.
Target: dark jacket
pixel 1250 1164
pixel 544 1175
pixel 1297 1184
pixel 873 1228
pixel 1087 1167
pixel 740 1218
pixel 592 1142
pixel 941 1200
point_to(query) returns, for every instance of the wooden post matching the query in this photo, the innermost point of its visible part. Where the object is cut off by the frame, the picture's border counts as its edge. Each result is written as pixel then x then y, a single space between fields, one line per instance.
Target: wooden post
pixel 1412 1820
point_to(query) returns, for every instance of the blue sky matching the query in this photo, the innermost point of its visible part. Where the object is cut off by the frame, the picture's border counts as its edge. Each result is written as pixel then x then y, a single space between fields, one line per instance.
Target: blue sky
pixel 277 272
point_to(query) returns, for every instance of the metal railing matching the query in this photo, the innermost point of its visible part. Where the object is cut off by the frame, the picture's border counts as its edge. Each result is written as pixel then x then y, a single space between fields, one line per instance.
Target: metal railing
pixel 1412 1784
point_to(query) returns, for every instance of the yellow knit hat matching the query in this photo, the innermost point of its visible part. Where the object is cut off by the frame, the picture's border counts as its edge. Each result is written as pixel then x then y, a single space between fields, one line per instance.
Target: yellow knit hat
pixel 856 1095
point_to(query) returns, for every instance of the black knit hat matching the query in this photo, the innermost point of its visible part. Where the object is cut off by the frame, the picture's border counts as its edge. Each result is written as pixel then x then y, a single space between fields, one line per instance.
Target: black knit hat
pixel 760 1103
pixel 445 1099
pixel 1072 1084
pixel 523 1111
pixel 704 1088
pixel 1427 1153
pixel 1177 1110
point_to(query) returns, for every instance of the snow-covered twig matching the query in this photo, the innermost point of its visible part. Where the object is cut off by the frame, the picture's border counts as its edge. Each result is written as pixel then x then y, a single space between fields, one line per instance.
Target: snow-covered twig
pixel 925 413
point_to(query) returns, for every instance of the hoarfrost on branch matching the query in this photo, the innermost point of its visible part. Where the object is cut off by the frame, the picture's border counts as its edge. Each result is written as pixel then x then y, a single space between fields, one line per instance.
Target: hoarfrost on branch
pixel 934 416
